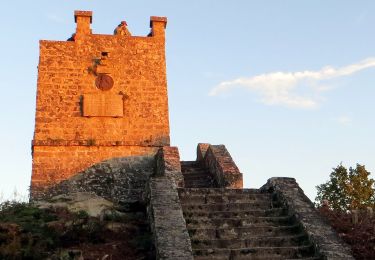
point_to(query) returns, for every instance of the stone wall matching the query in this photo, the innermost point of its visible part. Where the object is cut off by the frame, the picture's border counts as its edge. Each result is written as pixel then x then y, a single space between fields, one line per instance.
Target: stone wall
pixel 82 116
pixel 201 151
pixel 168 164
pixel 168 225
pixel 53 164
pixel 120 180
pixel 221 165
pixel 328 244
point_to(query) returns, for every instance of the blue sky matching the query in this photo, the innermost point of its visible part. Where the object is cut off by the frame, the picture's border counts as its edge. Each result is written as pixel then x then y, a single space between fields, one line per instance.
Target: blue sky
pixel 287 86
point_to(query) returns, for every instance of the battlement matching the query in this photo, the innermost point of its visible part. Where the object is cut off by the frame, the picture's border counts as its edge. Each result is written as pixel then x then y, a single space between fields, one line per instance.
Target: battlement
pixel 83 19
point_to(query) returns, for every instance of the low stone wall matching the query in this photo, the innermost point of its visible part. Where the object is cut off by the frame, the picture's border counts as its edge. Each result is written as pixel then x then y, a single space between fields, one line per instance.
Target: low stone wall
pixel 168 164
pixel 221 165
pixel 120 180
pixel 168 225
pixel 328 244
pixel 201 151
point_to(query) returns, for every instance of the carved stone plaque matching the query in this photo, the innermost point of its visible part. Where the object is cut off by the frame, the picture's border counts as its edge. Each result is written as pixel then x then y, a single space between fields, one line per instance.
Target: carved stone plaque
pixel 111 105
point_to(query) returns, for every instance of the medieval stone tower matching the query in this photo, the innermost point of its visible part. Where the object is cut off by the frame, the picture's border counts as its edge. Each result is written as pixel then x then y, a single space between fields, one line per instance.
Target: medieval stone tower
pixel 98 97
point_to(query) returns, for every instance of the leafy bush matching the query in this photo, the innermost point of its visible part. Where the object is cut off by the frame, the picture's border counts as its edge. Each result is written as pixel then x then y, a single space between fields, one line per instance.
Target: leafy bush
pixel 347 190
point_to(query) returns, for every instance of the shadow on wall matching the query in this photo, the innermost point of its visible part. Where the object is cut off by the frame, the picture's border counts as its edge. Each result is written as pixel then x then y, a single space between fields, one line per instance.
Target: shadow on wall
pixel 120 180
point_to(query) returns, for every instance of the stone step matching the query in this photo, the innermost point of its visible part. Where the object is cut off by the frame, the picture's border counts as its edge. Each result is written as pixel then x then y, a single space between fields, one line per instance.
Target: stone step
pixel 217 191
pixel 306 258
pixel 254 253
pixel 198 184
pixel 231 198
pixel 228 206
pixel 187 163
pixel 197 168
pixel 282 241
pixel 255 258
pixel 238 222
pixel 196 176
pixel 195 171
pixel 192 170
pixel 243 232
pixel 196 179
pixel 274 212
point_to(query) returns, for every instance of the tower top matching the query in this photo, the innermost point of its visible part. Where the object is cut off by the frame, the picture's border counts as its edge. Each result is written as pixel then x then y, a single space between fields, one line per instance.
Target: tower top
pixel 83 19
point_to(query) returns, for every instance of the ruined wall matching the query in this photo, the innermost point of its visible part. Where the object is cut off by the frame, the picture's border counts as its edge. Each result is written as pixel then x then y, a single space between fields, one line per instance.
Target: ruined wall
pixel 98 97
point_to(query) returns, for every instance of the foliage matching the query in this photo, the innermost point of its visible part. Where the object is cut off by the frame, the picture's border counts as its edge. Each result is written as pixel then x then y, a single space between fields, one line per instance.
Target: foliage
pixel 346 190
pixel 360 237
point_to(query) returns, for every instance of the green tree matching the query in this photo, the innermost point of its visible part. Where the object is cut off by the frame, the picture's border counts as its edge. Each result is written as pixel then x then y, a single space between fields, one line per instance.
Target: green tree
pixel 347 190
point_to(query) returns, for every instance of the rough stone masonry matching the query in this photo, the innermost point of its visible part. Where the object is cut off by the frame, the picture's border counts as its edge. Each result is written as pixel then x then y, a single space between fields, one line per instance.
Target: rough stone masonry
pixel 98 97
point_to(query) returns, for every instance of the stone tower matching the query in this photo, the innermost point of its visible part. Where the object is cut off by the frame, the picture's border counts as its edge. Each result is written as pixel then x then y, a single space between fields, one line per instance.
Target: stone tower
pixel 98 97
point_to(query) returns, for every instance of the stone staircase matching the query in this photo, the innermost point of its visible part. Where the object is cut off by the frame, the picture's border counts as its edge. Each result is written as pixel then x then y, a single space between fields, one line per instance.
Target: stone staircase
pixel 238 223
pixel 196 176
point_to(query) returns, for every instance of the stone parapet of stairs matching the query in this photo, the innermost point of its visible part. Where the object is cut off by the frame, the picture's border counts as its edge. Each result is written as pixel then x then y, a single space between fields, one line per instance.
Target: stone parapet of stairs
pixel 170 235
pixel 326 240
pixel 168 164
pixel 218 160
pixel 168 225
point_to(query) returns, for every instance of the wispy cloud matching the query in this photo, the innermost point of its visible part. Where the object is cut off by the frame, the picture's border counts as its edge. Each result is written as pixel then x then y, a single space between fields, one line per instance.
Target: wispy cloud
pixel 284 88
pixel 344 120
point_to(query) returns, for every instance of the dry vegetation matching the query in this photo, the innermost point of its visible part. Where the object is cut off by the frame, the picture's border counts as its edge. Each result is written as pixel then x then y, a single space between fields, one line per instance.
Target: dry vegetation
pixel 360 236
pixel 27 232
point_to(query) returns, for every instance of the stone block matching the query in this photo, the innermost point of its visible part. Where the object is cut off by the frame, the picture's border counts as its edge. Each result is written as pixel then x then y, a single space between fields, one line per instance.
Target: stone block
pixel 103 105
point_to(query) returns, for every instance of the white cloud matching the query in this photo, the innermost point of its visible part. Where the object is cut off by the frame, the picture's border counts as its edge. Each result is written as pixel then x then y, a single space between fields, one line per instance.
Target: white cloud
pixel 344 120
pixel 282 88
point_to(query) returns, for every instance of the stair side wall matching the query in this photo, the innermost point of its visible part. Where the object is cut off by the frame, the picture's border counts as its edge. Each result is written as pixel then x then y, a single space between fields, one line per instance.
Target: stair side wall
pixel 168 164
pixel 327 242
pixel 170 235
pixel 221 165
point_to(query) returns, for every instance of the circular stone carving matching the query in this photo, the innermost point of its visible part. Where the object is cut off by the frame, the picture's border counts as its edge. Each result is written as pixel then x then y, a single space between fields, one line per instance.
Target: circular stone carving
pixel 104 82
